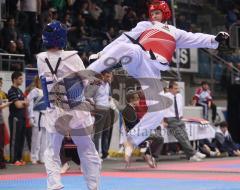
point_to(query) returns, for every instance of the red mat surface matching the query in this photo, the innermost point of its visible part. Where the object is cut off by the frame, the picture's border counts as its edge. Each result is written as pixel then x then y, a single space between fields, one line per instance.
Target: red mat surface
pixel 218 177
pixel 209 165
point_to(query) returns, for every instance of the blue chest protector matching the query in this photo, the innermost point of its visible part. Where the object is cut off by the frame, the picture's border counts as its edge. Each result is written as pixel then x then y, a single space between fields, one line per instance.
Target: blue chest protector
pixel 73 85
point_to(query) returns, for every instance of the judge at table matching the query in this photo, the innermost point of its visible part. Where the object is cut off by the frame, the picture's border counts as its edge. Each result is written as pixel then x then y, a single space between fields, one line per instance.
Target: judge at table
pixel 176 127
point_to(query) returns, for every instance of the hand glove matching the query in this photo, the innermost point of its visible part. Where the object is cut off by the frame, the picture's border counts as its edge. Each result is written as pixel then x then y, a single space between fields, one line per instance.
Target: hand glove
pixel 222 36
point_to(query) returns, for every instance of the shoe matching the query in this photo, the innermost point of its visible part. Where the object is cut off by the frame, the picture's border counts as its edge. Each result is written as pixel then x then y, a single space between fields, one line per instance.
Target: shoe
pixel 23 163
pixel 213 154
pixel 40 162
pixel 195 158
pixel 104 156
pixel 65 168
pixel 150 160
pixel 128 153
pixel 200 155
pixel 18 163
pixel 34 162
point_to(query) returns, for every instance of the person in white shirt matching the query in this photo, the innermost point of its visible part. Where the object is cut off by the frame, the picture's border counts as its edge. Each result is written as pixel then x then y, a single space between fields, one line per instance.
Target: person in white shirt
pixel 144 52
pixel 102 113
pixel 37 120
pixel 172 120
pixel 63 91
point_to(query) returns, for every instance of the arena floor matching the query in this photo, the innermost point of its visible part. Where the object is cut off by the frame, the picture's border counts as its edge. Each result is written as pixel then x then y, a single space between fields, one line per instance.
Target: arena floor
pixel 171 174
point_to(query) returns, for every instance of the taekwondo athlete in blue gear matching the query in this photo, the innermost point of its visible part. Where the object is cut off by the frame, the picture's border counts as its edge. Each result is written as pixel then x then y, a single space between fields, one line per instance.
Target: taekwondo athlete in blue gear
pixel 54 68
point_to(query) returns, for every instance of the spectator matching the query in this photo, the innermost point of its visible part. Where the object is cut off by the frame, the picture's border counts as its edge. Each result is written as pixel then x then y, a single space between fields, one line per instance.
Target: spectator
pixel 129 20
pixel 84 58
pixel 3 95
pixel 21 50
pixel 183 24
pixel 227 76
pixel 12 47
pixel 95 11
pixel 232 15
pixel 109 36
pixel 155 142
pixel 36 116
pixel 13 62
pixel 225 142
pixel 67 21
pixel 102 114
pixel 53 14
pixel 204 99
pixel 2 132
pixel 17 118
pixel 9 33
pixel 11 6
pixel 176 126
pixel 119 11
pixel 60 5
pixel 30 9
pixel 209 148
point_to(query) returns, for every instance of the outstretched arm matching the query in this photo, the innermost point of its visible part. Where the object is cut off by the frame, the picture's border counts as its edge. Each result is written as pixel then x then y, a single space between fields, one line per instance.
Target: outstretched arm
pixel 198 40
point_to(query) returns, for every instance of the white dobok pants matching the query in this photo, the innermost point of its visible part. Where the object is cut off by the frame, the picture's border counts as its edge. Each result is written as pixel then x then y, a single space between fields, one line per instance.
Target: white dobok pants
pixel 147 71
pixel 90 161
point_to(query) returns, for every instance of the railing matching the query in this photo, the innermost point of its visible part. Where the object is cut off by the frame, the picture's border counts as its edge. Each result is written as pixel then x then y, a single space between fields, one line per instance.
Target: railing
pixel 226 66
pixel 12 62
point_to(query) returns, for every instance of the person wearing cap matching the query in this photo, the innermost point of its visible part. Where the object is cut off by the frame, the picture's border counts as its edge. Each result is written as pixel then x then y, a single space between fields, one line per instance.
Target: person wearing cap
pixel 144 52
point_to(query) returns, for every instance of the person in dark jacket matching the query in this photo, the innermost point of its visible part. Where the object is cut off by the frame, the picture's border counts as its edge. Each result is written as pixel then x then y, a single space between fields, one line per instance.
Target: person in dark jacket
pixel 225 142
pixel 154 143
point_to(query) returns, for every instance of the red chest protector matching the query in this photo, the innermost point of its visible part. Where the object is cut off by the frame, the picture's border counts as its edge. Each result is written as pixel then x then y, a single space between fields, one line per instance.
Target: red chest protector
pixel 160 42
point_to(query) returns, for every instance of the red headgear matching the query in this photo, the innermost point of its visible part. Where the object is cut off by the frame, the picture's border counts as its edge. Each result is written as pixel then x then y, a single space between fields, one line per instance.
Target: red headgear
pixel 161 6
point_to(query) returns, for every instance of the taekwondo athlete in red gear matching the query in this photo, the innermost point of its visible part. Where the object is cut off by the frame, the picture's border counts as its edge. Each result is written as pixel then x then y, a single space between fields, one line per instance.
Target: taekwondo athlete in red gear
pixel 54 66
pixel 149 48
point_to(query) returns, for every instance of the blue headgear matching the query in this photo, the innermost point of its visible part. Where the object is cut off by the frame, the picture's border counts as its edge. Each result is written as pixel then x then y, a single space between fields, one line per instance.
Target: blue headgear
pixel 54 35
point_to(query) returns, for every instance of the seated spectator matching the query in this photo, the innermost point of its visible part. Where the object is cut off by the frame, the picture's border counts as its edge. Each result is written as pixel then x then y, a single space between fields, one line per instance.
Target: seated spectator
pixel 203 98
pixel 225 142
pixel 155 142
pixel 9 32
pixel 209 148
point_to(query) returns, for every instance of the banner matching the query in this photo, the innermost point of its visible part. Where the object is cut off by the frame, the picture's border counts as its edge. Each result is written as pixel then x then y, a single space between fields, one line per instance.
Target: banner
pixel 188 59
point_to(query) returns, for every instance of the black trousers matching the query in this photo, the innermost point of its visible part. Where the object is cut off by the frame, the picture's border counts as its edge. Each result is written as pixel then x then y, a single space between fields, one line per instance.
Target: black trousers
pixel 102 129
pixel 17 127
pixel 28 136
pixel 67 153
pixel 156 145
